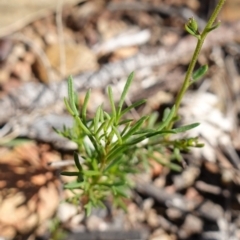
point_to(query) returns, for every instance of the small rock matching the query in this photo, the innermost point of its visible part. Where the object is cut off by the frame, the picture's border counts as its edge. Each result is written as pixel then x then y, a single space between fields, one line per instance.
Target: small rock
pixel 95 223
pixel 4 76
pixel 18 50
pixel 29 58
pixel 160 182
pixel 174 213
pixel 152 219
pixel 22 70
pixel 192 225
pixel 147 204
pixel 160 234
pixel 66 211
pixel 211 167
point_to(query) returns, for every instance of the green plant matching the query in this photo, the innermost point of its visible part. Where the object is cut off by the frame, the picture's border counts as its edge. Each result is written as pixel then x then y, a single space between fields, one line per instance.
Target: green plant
pixel 56 230
pixel 110 146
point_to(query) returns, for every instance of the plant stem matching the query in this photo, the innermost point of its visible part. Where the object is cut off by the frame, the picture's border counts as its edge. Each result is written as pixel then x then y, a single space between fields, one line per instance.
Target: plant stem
pixel 202 36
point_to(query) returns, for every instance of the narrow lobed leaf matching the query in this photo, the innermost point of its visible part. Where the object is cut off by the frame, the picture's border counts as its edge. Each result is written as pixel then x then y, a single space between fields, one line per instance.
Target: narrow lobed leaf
pixel 134 105
pixel 126 121
pixel 83 127
pixel 97 119
pixel 88 208
pixel 106 115
pixel 101 127
pixel 68 106
pixel 70 173
pixel 113 163
pixel 71 96
pixel 110 96
pixel 117 134
pixel 115 152
pixel 124 93
pixel 152 119
pixel 198 74
pixel 84 107
pixel 134 128
pixel 168 119
pixel 77 162
pixel 185 128
pixel 120 191
pixel 214 27
pixel 148 135
pixel 73 185
pixel 90 173
pixel 127 126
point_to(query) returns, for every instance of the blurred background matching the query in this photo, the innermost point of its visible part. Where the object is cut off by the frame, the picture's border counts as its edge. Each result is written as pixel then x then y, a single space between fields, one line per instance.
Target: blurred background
pixel 100 42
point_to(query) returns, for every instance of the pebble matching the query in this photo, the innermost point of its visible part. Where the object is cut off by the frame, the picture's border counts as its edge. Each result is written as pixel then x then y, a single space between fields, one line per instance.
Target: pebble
pixel 66 211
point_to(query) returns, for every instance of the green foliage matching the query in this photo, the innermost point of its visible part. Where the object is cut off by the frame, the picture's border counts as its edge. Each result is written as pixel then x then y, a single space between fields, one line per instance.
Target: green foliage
pixel 56 231
pixel 110 146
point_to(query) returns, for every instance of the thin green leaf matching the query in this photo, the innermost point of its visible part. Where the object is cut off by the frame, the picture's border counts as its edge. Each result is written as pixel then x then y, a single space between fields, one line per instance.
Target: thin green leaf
pixel 120 191
pixel 114 153
pixel 185 128
pixel 110 136
pixel 110 96
pixel 214 27
pixel 87 148
pixel 117 134
pixel 110 184
pixel 97 118
pixel 198 74
pixel 104 124
pixel 166 113
pixel 114 191
pixel 82 126
pixel 74 185
pixel 152 119
pixel 144 131
pixel 167 120
pixel 91 173
pixel 123 122
pixel 175 167
pixel 148 135
pixel 134 105
pixel 113 163
pixel 71 96
pixel 94 164
pixel 88 208
pixel 68 106
pixel 120 203
pixel 80 178
pixel 108 118
pixel 126 128
pixel 84 107
pixel 134 128
pixel 101 114
pixel 98 147
pixel 106 115
pixel 77 162
pixel 57 131
pixel 70 173
pixel 110 123
pixel 124 93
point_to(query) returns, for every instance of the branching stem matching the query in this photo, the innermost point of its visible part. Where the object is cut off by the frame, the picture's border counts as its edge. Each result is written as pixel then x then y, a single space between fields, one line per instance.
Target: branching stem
pixel 201 38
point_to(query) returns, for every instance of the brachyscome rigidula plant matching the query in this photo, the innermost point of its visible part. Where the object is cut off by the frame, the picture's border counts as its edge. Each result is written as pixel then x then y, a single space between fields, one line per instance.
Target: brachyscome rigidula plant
pixel 111 146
